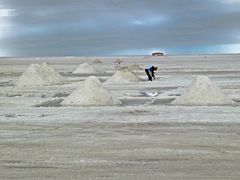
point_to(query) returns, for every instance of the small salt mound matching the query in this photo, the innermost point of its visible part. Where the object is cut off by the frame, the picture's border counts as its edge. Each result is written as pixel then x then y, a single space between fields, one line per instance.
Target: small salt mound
pixel 124 76
pixel 118 60
pixel 84 68
pixel 135 67
pixel 92 94
pixel 97 61
pixel 39 75
pixel 203 92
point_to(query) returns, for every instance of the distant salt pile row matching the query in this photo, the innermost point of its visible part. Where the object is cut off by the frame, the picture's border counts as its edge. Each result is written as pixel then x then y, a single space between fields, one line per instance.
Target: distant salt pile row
pixel 203 92
pixel 92 94
pixel 84 68
pixel 124 76
pixel 39 75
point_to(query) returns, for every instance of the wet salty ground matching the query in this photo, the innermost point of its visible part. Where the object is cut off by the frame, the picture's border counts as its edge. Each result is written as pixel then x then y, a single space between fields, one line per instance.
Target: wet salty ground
pixel 145 138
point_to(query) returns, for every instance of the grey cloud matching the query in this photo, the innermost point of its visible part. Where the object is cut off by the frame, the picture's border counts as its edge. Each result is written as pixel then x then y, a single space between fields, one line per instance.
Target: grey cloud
pixel 102 27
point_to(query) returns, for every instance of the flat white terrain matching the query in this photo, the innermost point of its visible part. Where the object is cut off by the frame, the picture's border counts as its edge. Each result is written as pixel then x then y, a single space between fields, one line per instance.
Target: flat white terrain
pixel 146 137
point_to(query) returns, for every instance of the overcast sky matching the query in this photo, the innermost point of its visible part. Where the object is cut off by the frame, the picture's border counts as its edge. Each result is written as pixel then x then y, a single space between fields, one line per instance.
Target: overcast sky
pixel 118 27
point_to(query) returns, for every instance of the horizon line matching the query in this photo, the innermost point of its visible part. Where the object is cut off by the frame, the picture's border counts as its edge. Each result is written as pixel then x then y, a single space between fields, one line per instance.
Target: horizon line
pixel 137 55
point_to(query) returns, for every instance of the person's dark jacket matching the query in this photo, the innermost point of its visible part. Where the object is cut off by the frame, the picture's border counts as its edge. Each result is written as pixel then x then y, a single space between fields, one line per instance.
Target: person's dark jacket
pixel 150 72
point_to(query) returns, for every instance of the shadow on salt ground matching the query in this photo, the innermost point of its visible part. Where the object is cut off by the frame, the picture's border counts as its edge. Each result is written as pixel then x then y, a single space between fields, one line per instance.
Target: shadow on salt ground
pixel 6 83
pixel 61 94
pixel 80 77
pixel 50 103
pixel 98 74
pixel 125 102
pixel 146 101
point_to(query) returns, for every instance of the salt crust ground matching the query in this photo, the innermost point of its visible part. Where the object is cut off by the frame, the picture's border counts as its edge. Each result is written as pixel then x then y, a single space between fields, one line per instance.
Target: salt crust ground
pixel 84 68
pixel 92 94
pixel 121 142
pixel 39 75
pixel 203 91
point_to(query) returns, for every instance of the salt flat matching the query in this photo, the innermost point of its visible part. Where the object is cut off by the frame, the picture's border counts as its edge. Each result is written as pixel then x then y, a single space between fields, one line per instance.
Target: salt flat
pixel 144 138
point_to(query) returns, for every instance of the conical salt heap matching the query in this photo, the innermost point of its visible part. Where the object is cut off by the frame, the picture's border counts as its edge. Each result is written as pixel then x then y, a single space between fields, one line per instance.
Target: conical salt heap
pixel 84 68
pixel 124 75
pixel 203 92
pixel 92 94
pixel 39 75
pixel 97 61
pixel 135 67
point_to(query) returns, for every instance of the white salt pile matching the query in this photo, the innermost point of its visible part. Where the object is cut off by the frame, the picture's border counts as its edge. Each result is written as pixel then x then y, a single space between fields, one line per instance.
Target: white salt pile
pixel 118 61
pixel 97 61
pixel 203 92
pixel 84 68
pixel 92 94
pixel 124 75
pixel 135 67
pixel 39 75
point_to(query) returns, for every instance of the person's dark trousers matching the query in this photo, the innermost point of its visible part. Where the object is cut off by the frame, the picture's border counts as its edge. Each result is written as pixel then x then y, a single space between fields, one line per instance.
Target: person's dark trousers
pixel 149 77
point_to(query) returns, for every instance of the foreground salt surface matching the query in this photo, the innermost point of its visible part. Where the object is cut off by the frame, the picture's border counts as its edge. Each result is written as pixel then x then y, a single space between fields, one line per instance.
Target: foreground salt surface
pixel 132 141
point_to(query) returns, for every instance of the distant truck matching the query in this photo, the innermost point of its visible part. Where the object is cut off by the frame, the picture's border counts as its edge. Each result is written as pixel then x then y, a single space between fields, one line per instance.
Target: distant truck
pixel 157 54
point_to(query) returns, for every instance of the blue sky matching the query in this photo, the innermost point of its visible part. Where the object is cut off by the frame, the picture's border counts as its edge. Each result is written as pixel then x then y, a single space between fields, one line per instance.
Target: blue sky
pixel 118 27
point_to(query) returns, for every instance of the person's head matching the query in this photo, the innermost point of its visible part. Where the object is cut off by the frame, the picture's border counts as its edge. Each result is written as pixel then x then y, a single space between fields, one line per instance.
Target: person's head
pixel 155 68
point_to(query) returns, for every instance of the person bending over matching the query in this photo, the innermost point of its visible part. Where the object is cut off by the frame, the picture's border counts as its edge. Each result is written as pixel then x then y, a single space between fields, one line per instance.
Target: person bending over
pixel 150 72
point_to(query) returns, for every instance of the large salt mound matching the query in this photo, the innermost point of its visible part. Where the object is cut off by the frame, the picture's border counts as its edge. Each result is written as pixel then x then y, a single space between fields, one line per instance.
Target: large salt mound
pixel 39 75
pixel 203 92
pixel 124 76
pixel 84 68
pixel 92 94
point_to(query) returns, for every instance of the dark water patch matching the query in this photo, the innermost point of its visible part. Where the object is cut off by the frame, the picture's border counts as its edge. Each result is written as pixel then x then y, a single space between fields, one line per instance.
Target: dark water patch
pixel 10 115
pixel 69 74
pixel 46 115
pixel 50 103
pixel 134 102
pixel 29 167
pixel 10 74
pixel 136 112
pixel 13 95
pixel 6 83
pixel 146 101
pixel 61 94
pixel 174 95
pixel 11 161
pixel 162 101
pixel 237 100
pixel 159 89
